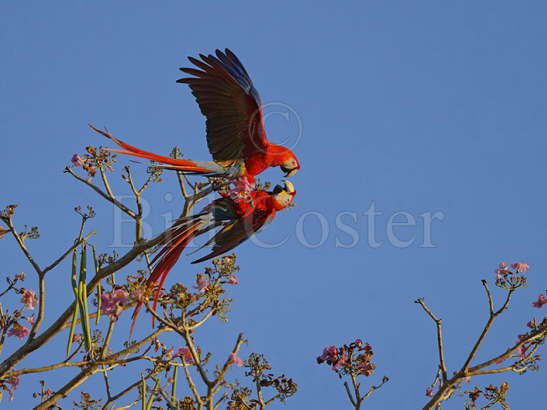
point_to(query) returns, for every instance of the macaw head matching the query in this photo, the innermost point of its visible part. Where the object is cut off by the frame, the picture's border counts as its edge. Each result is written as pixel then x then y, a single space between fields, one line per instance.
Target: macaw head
pixel 285 159
pixel 283 195
pixel 290 166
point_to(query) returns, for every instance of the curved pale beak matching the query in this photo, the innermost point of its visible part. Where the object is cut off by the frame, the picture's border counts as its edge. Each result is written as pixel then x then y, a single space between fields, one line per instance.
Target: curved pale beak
pixel 289 187
pixel 291 172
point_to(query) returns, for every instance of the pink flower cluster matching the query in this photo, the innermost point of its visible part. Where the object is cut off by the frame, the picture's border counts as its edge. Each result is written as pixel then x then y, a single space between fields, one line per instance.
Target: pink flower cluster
pixel 233 358
pixel 18 331
pixel 240 190
pixel 540 302
pixel 502 270
pixel 13 381
pixel 28 298
pixel 77 161
pixel 333 357
pixel 138 295
pixel 339 358
pixel 518 267
pixel 201 282
pixel 112 302
pixel 185 354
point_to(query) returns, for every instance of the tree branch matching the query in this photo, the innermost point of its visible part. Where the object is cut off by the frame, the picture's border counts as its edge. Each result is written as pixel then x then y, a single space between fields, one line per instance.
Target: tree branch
pixel 101 193
pixel 439 326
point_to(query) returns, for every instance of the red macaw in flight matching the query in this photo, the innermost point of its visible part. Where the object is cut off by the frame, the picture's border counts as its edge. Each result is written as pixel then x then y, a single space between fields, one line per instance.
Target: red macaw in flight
pixel 239 218
pixel 235 128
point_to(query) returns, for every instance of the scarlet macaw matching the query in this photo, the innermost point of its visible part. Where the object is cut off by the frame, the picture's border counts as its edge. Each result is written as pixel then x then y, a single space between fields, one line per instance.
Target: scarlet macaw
pixel 240 219
pixel 235 128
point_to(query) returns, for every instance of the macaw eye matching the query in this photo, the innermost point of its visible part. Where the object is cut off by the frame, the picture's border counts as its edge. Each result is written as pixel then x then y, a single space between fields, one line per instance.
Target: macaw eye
pixel 290 164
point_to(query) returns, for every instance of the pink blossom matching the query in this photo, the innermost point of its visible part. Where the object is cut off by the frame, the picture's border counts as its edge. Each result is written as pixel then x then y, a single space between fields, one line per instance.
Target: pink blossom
pixel 330 355
pixel 21 276
pixel 520 267
pixel 186 354
pixel 77 161
pixel 28 298
pixel 19 331
pixel 91 171
pixel 365 367
pixel 201 283
pixel 341 362
pixel 502 270
pixel 240 190
pixel 30 319
pixel 14 382
pixel 522 337
pixel 243 183
pixel 429 392
pixel 233 358
pixel 48 392
pixel 112 302
pixel 540 302
pixel 232 280
pixel 138 295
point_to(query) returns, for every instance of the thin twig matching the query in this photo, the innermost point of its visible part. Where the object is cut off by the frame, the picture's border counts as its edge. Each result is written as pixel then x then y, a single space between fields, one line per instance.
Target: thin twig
pixel 20 241
pixel 351 399
pixel 493 315
pixel 68 252
pixel 101 193
pixel 439 326
pixel 94 367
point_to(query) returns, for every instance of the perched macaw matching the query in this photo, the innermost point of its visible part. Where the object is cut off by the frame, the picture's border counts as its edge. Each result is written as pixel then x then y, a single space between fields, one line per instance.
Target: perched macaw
pixel 235 128
pixel 239 218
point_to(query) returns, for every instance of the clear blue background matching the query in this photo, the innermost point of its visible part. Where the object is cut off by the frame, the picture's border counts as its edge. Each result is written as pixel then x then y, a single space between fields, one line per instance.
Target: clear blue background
pixel 420 106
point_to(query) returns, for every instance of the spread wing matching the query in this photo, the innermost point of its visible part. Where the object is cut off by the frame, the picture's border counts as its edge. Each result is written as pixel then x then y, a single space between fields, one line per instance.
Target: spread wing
pixel 237 232
pixel 227 97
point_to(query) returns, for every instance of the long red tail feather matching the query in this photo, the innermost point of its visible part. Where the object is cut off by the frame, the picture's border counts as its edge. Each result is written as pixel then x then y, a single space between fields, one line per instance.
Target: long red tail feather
pixel 169 258
pixel 182 164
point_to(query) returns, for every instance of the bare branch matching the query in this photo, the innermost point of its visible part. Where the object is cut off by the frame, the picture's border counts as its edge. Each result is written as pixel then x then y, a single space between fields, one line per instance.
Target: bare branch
pixel 493 315
pixel 90 184
pixel 20 241
pixel 439 325
pixel 68 252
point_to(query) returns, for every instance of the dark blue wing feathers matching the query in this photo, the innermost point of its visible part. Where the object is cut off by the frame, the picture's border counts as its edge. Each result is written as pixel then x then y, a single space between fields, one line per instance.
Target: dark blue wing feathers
pixel 234 67
pixel 227 97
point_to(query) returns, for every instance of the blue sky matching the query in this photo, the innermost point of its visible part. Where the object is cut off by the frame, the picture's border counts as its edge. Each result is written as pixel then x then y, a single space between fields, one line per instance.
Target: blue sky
pixel 415 107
